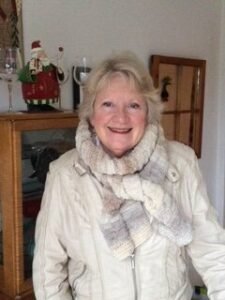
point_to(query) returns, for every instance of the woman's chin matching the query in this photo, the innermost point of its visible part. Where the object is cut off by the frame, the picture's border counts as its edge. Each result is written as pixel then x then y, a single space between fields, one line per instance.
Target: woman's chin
pixel 117 152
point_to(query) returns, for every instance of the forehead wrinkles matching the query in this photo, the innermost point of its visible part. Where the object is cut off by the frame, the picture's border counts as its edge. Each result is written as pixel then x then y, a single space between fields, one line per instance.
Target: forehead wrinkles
pixel 106 81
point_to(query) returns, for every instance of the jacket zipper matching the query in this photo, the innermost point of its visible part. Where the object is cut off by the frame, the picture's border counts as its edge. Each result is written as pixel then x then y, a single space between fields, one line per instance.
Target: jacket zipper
pixel 132 257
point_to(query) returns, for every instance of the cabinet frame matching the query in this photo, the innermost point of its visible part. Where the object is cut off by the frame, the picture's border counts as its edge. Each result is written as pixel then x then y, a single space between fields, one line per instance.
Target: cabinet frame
pixel 12 281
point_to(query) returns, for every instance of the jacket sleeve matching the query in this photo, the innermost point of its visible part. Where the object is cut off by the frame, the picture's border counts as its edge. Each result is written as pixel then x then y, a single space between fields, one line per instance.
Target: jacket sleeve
pixel 50 274
pixel 207 250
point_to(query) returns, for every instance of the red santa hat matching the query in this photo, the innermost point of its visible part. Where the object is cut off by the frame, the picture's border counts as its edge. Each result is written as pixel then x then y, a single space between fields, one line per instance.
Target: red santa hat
pixel 36 46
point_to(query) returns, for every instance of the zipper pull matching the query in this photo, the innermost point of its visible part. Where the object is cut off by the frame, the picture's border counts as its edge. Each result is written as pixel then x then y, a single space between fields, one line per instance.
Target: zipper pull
pixel 132 261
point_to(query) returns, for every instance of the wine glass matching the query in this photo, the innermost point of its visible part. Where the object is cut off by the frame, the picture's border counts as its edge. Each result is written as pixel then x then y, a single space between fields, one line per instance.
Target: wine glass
pixel 80 72
pixel 10 63
pixel 62 71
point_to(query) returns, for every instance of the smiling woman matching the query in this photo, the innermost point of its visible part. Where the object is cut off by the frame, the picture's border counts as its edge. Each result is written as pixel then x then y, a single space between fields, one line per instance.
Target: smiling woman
pixel 123 210
pixel 119 116
pixel 10 23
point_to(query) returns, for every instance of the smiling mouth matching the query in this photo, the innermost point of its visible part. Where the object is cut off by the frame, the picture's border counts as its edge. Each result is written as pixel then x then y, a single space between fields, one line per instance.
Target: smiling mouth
pixel 120 130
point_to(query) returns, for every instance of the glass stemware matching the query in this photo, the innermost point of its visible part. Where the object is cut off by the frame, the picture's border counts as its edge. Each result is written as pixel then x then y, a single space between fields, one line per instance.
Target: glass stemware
pixel 10 63
pixel 81 70
pixel 62 72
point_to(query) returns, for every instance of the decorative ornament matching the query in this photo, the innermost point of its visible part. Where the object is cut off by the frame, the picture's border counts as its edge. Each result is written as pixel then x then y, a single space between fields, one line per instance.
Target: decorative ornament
pixel 40 84
pixel 164 93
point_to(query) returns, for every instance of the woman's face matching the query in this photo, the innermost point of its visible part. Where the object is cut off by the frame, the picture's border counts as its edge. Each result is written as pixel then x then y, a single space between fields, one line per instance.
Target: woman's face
pixel 119 116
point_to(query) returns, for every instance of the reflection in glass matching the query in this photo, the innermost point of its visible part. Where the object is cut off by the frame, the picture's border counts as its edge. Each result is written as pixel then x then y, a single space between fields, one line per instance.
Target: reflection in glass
pixel 39 149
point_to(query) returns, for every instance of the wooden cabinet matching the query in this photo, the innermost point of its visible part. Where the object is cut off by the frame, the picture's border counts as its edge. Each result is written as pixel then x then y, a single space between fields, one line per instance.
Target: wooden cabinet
pixel 28 142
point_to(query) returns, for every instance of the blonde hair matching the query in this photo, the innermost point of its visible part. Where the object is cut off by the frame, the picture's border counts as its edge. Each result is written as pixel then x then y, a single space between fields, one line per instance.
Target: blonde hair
pixel 128 65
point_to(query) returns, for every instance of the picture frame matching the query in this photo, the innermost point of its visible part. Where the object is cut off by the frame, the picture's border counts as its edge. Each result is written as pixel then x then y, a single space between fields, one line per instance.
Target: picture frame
pixel 181 83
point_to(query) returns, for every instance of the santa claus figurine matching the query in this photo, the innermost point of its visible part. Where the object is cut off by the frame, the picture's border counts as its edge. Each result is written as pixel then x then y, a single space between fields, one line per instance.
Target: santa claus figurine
pixel 40 85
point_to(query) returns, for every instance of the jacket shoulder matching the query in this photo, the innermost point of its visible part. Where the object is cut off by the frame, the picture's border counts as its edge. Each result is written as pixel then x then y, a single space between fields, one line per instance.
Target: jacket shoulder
pixel 180 154
pixel 64 161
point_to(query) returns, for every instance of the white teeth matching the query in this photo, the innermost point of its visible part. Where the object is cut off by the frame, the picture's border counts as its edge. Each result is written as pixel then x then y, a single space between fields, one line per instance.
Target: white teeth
pixel 120 130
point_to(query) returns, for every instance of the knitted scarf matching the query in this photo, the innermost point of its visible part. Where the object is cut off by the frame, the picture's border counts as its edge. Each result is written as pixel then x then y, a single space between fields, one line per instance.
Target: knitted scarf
pixel 135 200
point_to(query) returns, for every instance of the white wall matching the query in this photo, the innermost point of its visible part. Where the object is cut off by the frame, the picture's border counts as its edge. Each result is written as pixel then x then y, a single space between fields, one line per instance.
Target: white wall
pixel 220 149
pixel 169 27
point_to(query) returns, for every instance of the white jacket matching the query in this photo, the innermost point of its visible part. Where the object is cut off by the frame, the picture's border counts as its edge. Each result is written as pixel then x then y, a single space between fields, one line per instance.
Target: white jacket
pixel 73 261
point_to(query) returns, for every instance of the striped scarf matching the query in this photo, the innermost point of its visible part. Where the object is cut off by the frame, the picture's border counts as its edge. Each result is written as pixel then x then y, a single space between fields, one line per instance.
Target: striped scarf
pixel 135 200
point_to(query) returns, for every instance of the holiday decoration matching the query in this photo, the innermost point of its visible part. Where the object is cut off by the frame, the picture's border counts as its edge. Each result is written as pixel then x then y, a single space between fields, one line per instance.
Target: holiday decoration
pixel 40 80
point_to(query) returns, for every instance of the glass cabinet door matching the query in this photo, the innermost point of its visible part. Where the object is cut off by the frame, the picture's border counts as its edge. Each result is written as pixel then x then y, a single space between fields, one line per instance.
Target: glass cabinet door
pixel 39 149
pixel 29 143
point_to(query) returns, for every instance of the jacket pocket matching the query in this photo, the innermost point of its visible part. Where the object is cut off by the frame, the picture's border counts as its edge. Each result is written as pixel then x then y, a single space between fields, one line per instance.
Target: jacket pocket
pixel 86 285
pixel 80 284
pixel 176 269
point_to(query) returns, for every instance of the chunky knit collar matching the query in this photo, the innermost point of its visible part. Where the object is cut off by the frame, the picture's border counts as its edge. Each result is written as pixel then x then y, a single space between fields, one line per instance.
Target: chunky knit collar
pixel 135 200
pixel 101 162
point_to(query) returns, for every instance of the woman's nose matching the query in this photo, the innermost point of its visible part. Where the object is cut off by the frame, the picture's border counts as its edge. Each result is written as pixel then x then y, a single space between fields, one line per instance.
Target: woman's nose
pixel 121 114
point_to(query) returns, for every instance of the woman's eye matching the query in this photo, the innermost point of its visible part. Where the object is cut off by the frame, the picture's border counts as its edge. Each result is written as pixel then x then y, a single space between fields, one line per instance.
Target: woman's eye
pixel 134 105
pixel 107 104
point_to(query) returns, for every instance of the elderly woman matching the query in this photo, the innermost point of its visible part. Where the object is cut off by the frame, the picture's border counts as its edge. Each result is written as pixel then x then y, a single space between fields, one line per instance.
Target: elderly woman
pixel 122 212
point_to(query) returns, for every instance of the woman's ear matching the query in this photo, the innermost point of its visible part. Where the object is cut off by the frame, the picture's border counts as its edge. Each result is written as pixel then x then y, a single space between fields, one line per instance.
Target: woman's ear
pixel 91 121
pixel 91 124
